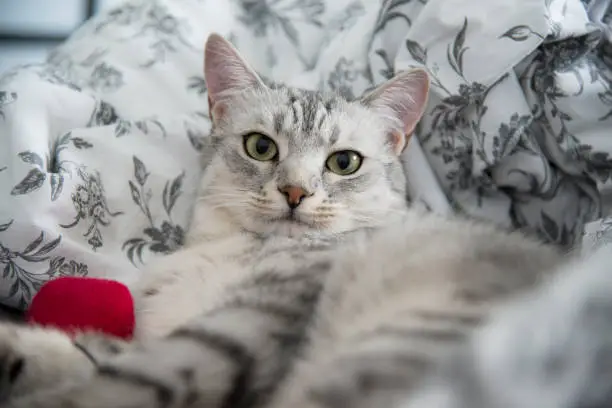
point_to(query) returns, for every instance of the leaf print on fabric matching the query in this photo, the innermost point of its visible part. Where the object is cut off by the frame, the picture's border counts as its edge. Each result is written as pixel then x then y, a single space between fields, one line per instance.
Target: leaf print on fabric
pixel 260 15
pixel 31 158
pixel 166 31
pixel 31 182
pixel 105 78
pixel 451 112
pixel 388 71
pixel 23 284
pixel 416 51
pixel 459 139
pixel 140 171
pixel 171 193
pixel 342 77
pixel 122 128
pixel 563 57
pixel 520 33
pixel 598 163
pixel 388 12
pixel 57 185
pixel 164 237
pixel 6 98
pixel 143 126
pixel 35 178
pixel 125 15
pixel 61 144
pixel 281 16
pixel 455 53
pixel 197 140
pixel 89 201
pixel 508 134
pixel 103 114
pixel 60 168
pixel 197 84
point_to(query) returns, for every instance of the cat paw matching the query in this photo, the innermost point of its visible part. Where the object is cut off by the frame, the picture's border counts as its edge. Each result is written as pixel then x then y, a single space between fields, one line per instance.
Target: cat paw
pixel 34 360
pixel 12 363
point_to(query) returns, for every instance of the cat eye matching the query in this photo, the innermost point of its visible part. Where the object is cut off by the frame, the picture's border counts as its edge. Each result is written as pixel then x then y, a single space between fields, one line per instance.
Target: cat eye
pixel 344 162
pixel 260 147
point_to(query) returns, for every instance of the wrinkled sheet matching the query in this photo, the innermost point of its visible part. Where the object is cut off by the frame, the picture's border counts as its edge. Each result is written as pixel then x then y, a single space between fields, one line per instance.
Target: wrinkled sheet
pixel 100 145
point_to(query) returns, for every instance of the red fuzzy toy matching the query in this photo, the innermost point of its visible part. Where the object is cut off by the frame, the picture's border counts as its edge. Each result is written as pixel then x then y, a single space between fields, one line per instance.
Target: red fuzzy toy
pixel 84 304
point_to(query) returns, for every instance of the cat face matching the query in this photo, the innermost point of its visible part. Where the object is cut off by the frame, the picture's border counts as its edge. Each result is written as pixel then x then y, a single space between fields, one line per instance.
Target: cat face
pixel 291 161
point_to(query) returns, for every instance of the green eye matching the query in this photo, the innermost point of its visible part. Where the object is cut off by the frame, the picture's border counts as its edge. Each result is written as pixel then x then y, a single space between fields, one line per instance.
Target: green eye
pixel 260 147
pixel 344 162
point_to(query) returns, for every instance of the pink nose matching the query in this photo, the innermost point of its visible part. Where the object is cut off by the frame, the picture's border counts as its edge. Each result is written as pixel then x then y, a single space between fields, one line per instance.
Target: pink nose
pixel 294 195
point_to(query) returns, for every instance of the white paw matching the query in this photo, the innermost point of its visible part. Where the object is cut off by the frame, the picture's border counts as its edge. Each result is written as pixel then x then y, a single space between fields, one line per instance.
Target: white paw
pixel 34 359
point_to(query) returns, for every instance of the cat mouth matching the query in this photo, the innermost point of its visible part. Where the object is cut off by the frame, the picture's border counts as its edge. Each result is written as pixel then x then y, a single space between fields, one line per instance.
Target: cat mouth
pixel 293 218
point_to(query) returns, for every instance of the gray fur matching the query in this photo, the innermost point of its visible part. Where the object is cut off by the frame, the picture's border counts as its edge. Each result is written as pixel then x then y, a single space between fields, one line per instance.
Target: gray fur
pixel 549 349
pixel 356 301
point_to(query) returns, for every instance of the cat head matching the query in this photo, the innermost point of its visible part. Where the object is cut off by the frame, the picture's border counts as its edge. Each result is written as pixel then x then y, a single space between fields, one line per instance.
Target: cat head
pixel 290 161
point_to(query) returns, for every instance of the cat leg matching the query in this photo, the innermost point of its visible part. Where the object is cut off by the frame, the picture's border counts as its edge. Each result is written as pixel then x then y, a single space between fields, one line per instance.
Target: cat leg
pixel 33 359
pixel 36 360
pixel 236 353
pixel 170 293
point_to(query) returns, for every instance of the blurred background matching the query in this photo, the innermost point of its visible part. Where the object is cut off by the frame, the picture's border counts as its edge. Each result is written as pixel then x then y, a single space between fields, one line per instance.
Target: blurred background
pixel 29 29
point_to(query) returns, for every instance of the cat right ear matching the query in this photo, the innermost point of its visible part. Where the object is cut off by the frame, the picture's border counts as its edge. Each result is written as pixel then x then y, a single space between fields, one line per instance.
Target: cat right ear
pixel 226 74
pixel 403 98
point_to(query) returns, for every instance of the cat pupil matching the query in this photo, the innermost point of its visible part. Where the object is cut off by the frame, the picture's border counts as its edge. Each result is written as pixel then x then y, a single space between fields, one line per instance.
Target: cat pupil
pixel 343 160
pixel 262 146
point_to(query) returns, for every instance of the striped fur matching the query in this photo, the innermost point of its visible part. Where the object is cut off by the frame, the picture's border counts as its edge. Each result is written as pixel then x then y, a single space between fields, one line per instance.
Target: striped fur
pixel 348 300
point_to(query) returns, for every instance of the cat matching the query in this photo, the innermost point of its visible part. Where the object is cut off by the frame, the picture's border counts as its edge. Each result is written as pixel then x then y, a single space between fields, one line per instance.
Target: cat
pixel 306 279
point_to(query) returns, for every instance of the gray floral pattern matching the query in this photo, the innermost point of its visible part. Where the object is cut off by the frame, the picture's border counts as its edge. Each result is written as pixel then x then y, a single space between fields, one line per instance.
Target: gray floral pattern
pixel 166 237
pixel 91 207
pixel 102 180
pixel 21 283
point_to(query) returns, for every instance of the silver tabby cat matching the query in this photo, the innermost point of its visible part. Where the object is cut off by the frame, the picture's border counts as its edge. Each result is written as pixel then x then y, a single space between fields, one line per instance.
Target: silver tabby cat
pixel 306 281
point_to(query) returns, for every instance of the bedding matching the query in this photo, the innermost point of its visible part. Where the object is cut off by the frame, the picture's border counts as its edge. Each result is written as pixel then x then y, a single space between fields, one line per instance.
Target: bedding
pixel 101 145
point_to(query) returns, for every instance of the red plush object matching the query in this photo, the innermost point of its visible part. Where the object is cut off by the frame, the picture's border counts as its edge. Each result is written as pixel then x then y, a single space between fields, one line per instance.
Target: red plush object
pixel 77 304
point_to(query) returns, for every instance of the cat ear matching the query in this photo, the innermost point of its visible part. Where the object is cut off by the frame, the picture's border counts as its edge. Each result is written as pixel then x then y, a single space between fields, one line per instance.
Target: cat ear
pixel 226 73
pixel 403 98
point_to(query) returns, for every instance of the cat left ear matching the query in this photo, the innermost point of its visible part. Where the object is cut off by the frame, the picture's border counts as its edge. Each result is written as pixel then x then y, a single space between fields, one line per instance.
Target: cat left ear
pixel 404 98
pixel 226 74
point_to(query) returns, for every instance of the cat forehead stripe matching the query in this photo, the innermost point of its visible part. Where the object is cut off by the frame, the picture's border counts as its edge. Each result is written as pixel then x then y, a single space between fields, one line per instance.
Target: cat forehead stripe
pixel 308 113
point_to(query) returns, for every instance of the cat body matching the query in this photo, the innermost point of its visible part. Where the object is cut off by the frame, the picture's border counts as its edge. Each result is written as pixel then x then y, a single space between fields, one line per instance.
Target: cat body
pixel 306 280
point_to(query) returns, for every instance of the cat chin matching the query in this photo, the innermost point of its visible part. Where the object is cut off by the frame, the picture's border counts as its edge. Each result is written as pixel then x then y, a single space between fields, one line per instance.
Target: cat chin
pixel 291 228
pixel 285 227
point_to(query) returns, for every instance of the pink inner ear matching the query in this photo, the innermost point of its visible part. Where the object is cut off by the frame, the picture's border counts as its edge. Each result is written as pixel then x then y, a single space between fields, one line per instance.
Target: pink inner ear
pixel 398 141
pixel 408 97
pixel 405 98
pixel 225 70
